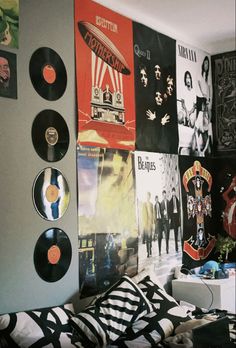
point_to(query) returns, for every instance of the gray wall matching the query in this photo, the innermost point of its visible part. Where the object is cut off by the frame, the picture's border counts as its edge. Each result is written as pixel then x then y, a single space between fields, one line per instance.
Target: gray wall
pixel 42 24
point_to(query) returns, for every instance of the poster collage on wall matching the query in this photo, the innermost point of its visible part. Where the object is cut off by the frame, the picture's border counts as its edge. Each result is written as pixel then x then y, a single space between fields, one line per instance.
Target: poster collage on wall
pixel 9 38
pixel 147 178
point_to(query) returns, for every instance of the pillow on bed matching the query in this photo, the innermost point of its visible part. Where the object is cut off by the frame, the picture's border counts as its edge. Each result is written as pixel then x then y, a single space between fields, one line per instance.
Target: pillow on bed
pixel 112 313
pixel 154 327
pixel 39 327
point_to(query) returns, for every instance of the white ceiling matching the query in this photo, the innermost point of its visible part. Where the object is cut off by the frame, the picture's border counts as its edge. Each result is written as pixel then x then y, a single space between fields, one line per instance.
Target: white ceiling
pixel 206 24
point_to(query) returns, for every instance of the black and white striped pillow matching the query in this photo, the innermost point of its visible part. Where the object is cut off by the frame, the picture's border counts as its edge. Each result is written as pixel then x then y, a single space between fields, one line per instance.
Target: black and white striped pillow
pixel 38 328
pixel 159 324
pixel 112 313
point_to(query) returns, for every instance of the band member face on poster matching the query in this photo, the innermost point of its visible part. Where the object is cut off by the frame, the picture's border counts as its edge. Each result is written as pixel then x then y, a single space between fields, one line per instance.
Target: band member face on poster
pixel 170 85
pixel 205 67
pixel 143 76
pixel 157 71
pixel 200 237
pixel 4 73
pixel 159 98
pixel 188 80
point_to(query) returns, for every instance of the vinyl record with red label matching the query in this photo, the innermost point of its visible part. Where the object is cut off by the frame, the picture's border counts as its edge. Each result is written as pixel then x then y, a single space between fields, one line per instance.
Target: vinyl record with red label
pixel 52 254
pixel 51 194
pixel 50 135
pixel 48 73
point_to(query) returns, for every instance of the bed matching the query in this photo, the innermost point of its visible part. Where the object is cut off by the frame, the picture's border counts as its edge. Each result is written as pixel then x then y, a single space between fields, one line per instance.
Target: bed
pixel 135 312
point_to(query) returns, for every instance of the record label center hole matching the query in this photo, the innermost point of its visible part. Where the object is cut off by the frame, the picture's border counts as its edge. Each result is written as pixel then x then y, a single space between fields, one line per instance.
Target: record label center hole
pixel 51 135
pixel 49 74
pixel 52 193
pixel 54 254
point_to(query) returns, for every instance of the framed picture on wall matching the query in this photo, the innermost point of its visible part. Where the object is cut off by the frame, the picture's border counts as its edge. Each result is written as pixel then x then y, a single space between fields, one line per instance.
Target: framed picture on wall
pixel 8 76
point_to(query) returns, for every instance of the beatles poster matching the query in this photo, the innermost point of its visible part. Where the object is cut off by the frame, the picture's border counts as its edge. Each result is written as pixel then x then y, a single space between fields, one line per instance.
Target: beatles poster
pixel 108 243
pixel 104 73
pixel 8 78
pixel 158 207
pixel 9 23
pixel 194 101
pixel 199 223
pixel 155 91
pixel 224 92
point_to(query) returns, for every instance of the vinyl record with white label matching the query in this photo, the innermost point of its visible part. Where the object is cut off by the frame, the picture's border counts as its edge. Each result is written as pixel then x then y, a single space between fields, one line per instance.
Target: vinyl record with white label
pixel 51 194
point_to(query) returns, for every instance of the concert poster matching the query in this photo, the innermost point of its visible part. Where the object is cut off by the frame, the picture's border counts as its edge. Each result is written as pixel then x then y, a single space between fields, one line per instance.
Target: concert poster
pixel 107 233
pixel 159 230
pixel 225 179
pixel 155 90
pixel 194 101
pixel 9 23
pixel 224 94
pixel 199 214
pixel 104 74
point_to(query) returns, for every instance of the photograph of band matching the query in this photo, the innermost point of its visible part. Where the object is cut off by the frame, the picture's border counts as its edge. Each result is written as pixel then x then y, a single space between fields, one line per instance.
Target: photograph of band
pixel 194 101
pixel 158 207
pixel 155 91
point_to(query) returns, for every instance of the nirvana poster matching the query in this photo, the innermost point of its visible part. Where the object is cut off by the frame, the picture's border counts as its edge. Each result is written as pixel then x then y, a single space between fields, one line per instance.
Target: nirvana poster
pixel 104 73
pixel 224 88
pixel 194 101
pixel 107 222
pixel 158 207
pixel 155 91
pixel 198 212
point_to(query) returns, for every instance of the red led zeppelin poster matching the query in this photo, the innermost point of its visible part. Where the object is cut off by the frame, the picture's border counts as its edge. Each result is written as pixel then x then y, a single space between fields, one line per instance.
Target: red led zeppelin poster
pixel 104 73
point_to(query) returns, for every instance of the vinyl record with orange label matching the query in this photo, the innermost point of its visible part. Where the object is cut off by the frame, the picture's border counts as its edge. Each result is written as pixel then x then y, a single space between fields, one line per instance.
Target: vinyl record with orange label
pixel 48 73
pixel 51 194
pixel 50 135
pixel 52 254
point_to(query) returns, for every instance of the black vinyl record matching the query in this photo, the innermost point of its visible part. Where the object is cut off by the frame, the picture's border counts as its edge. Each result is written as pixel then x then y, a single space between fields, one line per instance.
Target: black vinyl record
pixel 52 254
pixel 50 135
pixel 51 194
pixel 48 73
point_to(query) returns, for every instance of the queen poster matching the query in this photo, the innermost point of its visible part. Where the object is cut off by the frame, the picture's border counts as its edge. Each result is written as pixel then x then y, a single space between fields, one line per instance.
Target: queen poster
pixel 155 91
pixel 199 218
pixel 104 73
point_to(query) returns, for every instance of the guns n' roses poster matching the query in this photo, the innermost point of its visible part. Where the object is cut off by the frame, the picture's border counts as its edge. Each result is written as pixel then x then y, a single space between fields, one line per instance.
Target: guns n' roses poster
pixel 158 205
pixel 198 212
pixel 194 101
pixel 107 222
pixel 155 91
pixel 224 89
pixel 104 69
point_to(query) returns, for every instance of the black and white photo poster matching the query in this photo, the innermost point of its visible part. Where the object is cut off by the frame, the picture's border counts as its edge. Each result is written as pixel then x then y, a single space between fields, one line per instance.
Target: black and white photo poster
pixel 155 91
pixel 158 207
pixel 194 101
